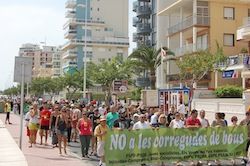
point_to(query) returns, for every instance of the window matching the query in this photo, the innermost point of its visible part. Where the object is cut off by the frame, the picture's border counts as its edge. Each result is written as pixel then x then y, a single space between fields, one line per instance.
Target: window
pixel 98 9
pixel 229 13
pixel 228 40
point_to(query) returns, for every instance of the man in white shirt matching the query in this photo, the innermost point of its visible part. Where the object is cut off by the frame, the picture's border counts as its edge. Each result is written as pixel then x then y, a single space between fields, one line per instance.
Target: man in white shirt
pixel 102 110
pixel 142 124
pixel 203 120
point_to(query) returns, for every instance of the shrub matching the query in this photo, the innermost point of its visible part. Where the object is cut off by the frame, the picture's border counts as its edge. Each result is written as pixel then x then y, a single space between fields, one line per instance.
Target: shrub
pixel 229 91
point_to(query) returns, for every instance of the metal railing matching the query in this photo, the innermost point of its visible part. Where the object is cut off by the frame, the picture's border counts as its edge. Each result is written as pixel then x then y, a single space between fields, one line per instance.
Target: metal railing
pixel 189 22
pixel 111 41
pixel 237 60
pixel 144 28
pixel 143 10
pixel 189 49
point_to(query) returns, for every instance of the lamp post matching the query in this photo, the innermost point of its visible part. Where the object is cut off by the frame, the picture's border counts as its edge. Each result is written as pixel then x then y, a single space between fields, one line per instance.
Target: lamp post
pixel 85 52
pixel 85 47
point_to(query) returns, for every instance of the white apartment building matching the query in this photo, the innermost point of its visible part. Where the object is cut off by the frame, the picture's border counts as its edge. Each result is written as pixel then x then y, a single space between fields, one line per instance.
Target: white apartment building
pixel 106 26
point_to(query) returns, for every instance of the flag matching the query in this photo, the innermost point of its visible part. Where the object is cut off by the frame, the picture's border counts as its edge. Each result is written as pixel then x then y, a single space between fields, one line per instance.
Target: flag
pixel 163 52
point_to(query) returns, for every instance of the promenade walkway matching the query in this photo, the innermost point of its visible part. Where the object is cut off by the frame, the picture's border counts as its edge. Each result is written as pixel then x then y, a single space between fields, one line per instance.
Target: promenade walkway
pixel 38 155
pixel 10 153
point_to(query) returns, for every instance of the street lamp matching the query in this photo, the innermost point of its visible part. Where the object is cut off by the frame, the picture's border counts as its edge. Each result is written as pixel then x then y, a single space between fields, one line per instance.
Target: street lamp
pixel 85 52
pixel 85 48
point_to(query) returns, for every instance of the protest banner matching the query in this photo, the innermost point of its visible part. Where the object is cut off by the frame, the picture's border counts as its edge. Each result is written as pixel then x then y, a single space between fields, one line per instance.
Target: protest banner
pixel 167 144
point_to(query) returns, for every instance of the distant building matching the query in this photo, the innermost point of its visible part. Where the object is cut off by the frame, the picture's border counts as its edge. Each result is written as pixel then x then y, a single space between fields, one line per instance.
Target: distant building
pixel 46 59
pixel 106 29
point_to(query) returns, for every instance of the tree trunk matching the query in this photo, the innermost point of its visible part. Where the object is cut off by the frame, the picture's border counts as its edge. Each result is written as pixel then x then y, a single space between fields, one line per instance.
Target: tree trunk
pixel 152 79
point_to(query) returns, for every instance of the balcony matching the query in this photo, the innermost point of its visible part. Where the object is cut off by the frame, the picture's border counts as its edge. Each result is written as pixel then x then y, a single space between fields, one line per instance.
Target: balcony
pixel 135 5
pixel 70 14
pixel 74 22
pixel 107 41
pixel 189 22
pixel 175 78
pixel 69 54
pixel 189 49
pixel 135 21
pixel 70 4
pixel 136 37
pixel 243 32
pixel 144 11
pixel 144 28
pixel 70 34
pixel 237 62
pixel 70 64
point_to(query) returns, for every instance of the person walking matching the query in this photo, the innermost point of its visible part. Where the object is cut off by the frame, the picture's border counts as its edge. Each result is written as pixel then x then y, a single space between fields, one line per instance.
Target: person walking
pixel 95 119
pixel 33 116
pixel 44 123
pixel 84 126
pixel 61 126
pixel 112 117
pixel 74 131
pixel 7 109
pixel 53 117
pixel 100 132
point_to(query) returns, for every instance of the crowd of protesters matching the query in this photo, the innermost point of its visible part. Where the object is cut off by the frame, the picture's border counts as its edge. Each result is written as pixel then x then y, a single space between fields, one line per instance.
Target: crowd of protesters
pixel 69 122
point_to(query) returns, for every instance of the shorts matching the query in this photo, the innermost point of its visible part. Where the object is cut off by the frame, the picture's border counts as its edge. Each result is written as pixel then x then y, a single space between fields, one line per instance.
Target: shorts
pixel 74 130
pixel 100 148
pixel 33 126
pixel 62 133
pixel 44 127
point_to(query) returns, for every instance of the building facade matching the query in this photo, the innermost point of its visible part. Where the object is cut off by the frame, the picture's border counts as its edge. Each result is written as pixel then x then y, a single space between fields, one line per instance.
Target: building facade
pixel 192 25
pixel 105 24
pixel 145 22
pixel 43 59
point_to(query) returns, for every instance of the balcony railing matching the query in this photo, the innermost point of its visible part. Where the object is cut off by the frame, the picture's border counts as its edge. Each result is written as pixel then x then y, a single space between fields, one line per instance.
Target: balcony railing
pixel 144 28
pixel 135 21
pixel 70 14
pixel 176 77
pixel 135 5
pixel 143 10
pixel 70 33
pixel 82 22
pixel 69 54
pixel 189 22
pixel 235 62
pixel 70 4
pixel 189 49
pixel 122 42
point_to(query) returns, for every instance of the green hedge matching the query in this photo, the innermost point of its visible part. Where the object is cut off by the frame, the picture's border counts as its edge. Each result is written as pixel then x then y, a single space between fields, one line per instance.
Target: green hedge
pixel 229 91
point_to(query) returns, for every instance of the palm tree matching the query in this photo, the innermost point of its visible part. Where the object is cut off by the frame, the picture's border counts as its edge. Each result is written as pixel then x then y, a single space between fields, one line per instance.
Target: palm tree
pixel 147 58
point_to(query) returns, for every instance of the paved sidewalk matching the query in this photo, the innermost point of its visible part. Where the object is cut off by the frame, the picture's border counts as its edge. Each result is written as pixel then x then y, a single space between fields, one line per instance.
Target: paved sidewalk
pixel 39 155
pixel 11 155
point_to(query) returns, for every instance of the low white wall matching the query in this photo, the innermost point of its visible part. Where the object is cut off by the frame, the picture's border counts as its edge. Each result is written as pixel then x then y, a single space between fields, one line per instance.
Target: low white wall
pixel 231 107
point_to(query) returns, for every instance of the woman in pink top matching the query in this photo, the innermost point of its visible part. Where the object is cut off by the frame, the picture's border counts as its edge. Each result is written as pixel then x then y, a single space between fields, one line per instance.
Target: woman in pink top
pixel 84 126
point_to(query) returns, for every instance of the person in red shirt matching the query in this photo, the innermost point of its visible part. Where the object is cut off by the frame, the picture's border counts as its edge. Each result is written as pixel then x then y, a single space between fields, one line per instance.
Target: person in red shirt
pixel 193 121
pixel 44 123
pixel 84 126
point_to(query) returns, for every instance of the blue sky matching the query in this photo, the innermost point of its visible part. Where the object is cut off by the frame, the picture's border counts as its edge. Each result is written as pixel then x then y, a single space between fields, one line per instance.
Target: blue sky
pixel 30 21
